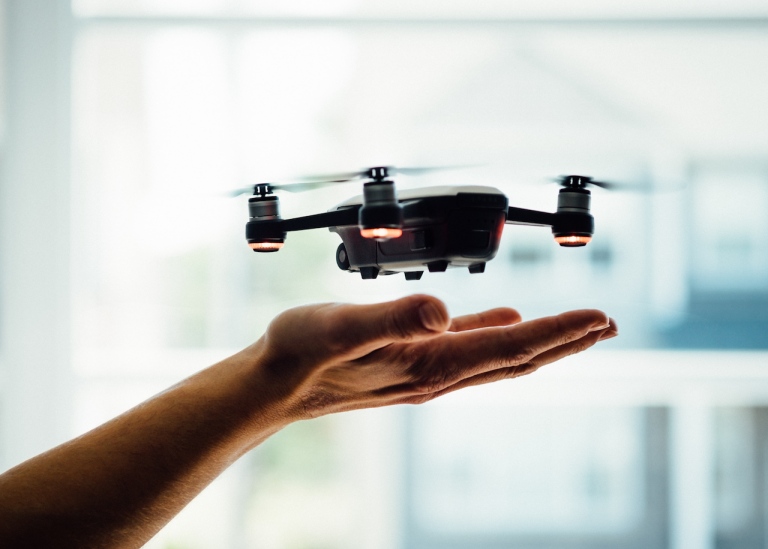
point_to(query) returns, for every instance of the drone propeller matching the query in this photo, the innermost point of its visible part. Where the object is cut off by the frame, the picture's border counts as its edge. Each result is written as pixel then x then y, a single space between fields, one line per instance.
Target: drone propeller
pixel 379 173
pixel 584 181
pixel 376 173
pixel 269 188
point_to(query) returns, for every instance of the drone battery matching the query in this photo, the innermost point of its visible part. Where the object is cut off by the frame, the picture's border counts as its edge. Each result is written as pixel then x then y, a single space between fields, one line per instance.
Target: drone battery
pixel 462 238
pixel 477 241
pixel 477 232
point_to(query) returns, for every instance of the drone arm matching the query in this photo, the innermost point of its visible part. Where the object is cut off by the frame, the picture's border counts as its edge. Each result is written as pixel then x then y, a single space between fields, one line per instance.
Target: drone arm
pixel 570 228
pixel 336 218
pixel 268 235
pixel 521 216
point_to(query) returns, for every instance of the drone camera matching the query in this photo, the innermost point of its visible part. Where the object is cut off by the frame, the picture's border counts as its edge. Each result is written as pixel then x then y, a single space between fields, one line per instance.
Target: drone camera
pixel 381 216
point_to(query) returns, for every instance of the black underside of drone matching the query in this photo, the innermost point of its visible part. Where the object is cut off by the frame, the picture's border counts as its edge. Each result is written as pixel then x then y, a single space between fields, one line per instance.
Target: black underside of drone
pixel 440 232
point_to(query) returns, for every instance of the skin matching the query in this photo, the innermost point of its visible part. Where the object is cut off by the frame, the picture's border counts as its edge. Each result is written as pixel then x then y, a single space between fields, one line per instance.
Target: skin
pixel 118 484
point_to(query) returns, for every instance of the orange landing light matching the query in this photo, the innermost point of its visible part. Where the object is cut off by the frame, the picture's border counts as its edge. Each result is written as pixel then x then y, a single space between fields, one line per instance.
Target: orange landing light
pixel 573 240
pixel 382 233
pixel 265 246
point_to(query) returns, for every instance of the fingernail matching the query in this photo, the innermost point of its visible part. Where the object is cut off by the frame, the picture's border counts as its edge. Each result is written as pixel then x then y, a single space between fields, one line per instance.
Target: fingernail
pixel 608 335
pixel 432 317
pixel 601 324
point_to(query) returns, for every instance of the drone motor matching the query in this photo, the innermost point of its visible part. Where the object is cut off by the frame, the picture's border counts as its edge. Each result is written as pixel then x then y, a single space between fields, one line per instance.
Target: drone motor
pixel 574 225
pixel 381 216
pixel 265 207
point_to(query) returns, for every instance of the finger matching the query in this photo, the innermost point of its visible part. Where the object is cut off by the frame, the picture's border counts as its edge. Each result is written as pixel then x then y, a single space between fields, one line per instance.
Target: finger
pixel 460 355
pixel 367 327
pixel 548 357
pixel 503 316
pixel 558 353
pixel 510 372
pixel 513 345
pixel 611 331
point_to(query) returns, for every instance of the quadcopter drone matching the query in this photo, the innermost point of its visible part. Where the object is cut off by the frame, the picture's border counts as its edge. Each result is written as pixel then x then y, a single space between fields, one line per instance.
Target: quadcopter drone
pixel 431 228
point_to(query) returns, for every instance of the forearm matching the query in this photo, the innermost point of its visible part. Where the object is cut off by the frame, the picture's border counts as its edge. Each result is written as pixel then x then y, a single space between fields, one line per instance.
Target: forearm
pixel 117 485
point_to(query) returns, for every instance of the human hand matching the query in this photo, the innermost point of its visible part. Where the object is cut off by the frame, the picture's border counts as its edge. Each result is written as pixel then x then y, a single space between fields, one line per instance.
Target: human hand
pixel 337 357
pixel 132 474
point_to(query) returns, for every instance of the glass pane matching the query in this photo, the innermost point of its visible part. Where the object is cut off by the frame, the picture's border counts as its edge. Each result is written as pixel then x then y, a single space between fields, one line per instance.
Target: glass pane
pixel 730 228
pixel 490 472
pixel 167 119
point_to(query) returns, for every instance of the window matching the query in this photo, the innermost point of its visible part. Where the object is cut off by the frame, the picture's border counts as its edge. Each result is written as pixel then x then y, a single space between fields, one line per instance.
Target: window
pixel 729 239
pixel 173 103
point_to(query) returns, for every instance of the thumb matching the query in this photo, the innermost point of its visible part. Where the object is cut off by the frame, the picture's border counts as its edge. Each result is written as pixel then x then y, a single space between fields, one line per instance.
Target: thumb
pixel 372 326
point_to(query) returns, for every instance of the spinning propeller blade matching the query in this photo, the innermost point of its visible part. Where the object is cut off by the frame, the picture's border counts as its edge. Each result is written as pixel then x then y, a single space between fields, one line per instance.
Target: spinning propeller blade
pixel 318 181
pixel 269 188
pixel 584 181
pixel 380 172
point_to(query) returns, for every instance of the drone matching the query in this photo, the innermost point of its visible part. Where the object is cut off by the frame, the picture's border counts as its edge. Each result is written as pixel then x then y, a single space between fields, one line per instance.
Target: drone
pixel 417 230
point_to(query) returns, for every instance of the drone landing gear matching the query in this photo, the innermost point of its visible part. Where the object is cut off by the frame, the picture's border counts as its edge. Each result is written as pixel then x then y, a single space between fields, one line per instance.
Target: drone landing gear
pixel 477 268
pixel 369 273
pixel 413 275
pixel 437 266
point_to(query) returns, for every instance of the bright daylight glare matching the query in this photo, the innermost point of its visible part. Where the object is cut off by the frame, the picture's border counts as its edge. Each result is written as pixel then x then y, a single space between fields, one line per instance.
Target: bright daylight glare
pixel 126 124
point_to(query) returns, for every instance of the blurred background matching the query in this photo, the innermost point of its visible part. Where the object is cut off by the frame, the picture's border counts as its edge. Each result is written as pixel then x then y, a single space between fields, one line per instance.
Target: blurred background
pixel 123 265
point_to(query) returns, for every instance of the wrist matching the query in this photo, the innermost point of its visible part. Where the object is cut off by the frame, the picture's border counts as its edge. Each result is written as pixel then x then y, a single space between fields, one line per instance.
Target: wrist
pixel 258 392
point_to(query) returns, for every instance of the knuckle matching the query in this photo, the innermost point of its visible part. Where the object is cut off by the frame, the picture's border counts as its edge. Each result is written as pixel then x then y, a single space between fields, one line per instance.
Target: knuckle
pixel 479 319
pixel 580 345
pixel 429 385
pixel 567 332
pixel 524 369
pixel 430 380
pixel 419 399
pixel 396 325
pixel 520 356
